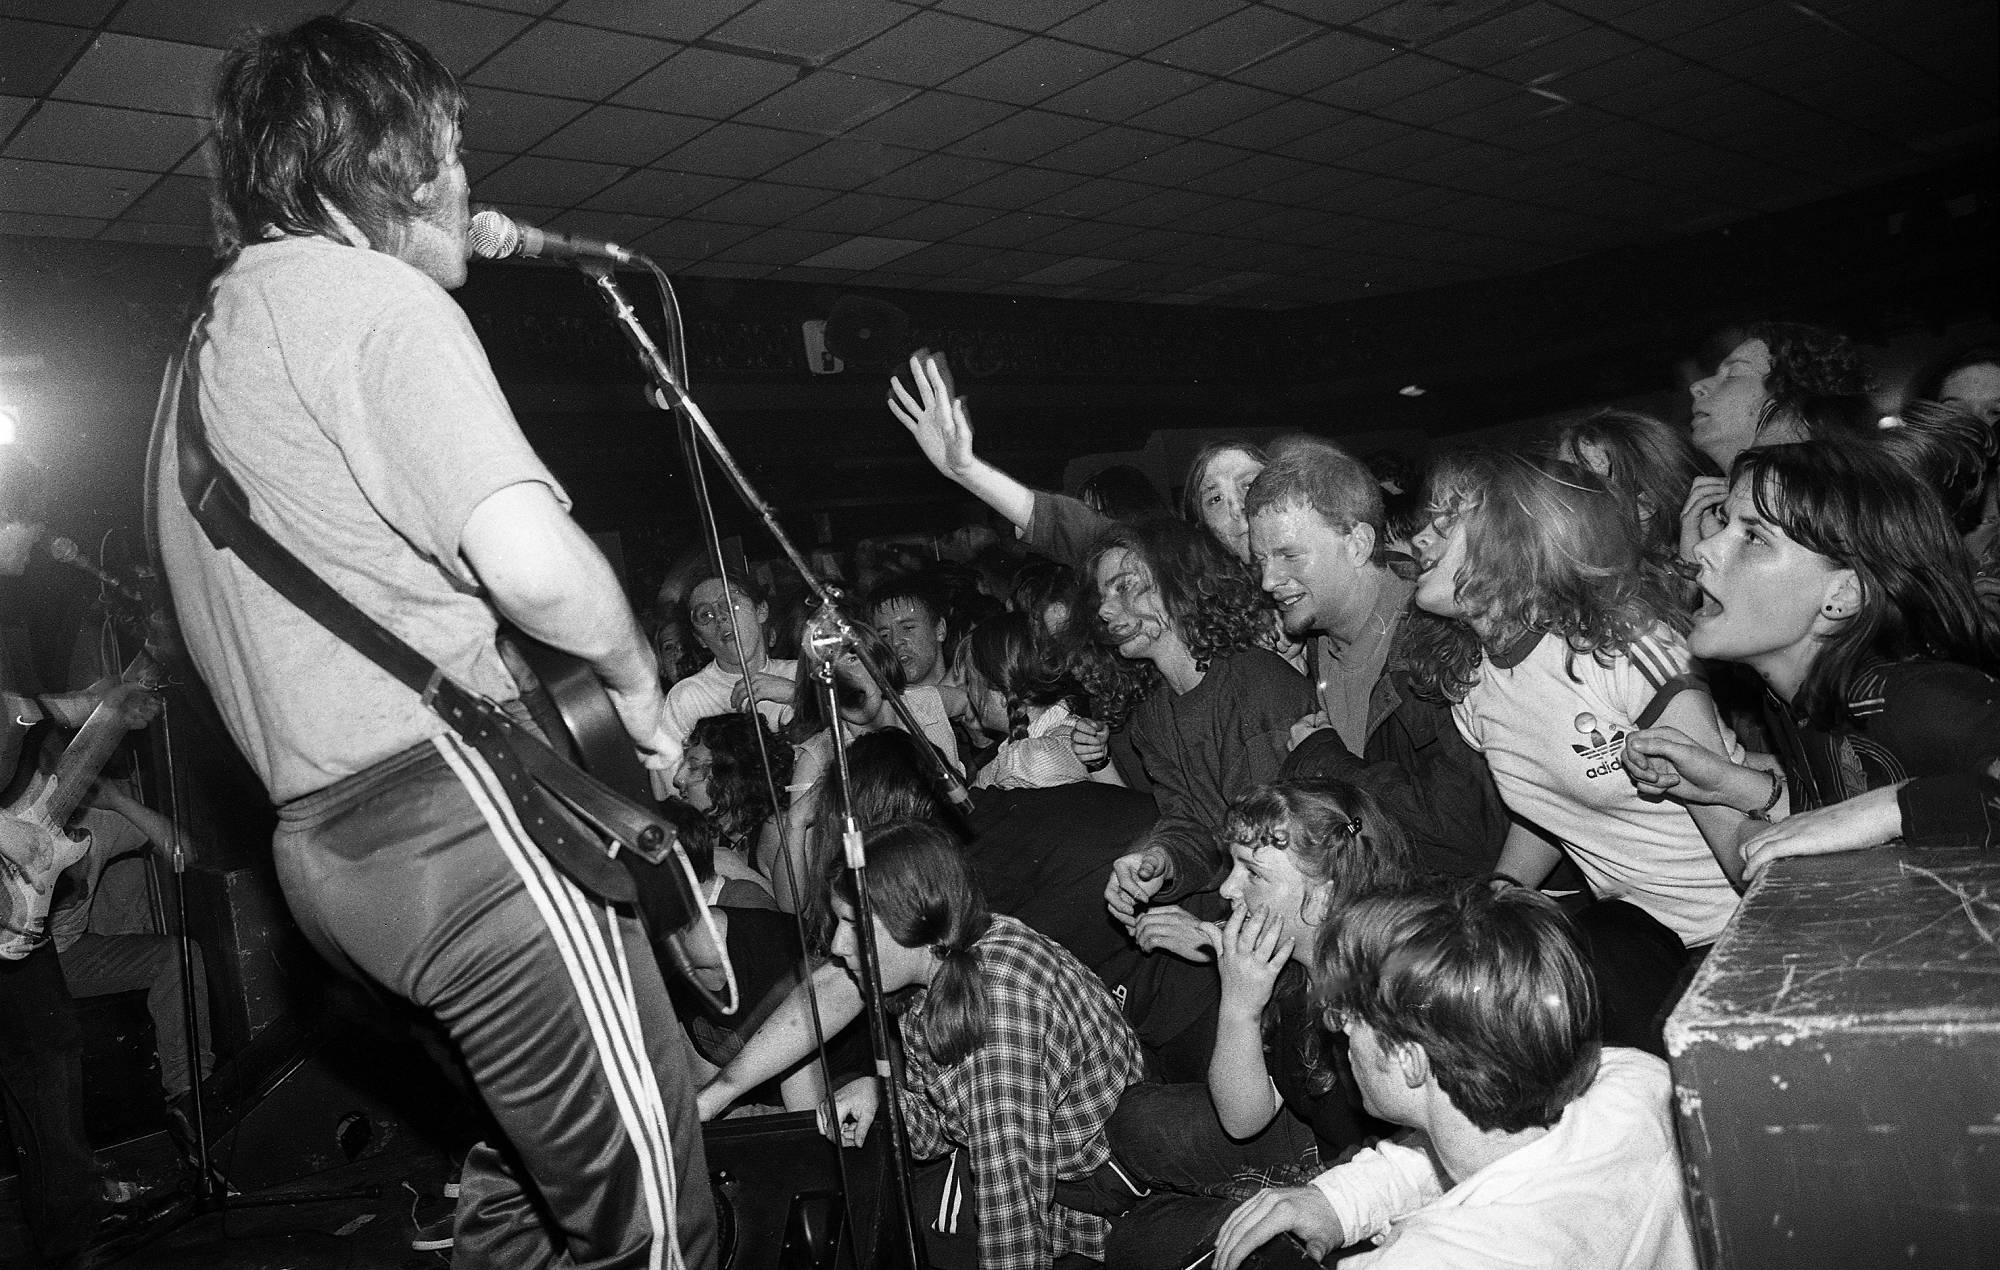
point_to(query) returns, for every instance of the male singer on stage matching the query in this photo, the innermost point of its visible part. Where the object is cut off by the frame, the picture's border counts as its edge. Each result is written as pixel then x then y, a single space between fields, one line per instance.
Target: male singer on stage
pixel 346 392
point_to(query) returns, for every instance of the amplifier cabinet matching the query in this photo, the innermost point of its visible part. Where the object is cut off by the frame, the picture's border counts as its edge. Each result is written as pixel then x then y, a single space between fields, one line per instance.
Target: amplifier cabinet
pixel 1837 1067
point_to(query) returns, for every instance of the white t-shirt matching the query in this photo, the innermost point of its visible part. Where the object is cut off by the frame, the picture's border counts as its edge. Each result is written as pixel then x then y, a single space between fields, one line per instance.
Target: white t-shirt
pixel 1602 1190
pixel 1552 727
pixel 707 690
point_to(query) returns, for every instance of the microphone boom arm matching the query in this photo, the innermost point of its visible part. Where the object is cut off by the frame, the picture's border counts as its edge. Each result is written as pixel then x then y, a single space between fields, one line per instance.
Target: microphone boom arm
pixel 671 395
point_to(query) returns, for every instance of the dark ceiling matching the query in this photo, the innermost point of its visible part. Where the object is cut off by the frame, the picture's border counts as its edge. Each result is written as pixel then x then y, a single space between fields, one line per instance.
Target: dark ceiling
pixel 1273 154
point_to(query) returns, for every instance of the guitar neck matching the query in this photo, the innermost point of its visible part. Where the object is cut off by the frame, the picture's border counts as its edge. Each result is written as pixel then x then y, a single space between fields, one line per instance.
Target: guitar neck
pixel 95 742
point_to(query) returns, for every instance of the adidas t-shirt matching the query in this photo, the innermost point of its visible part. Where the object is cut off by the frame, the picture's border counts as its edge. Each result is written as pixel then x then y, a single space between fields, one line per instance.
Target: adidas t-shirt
pixel 1552 726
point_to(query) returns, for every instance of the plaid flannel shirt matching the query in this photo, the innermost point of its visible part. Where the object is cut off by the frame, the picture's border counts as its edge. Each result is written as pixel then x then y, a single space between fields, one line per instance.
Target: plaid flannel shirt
pixel 1030 1104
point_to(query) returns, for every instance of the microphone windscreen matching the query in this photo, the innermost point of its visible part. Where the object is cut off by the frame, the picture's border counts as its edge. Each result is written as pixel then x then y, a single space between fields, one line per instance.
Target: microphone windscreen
pixel 493 235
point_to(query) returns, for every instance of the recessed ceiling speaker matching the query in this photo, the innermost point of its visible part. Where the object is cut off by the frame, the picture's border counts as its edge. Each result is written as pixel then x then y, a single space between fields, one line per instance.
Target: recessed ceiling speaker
pixel 868 334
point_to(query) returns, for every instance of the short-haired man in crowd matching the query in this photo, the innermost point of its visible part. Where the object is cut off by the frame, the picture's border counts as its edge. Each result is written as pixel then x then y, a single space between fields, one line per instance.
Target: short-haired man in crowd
pixel 1316 542
pixel 1471 1019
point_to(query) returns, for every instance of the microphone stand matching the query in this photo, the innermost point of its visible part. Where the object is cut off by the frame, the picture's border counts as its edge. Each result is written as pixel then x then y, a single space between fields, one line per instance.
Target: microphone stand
pixel 669 394
pixel 886 1055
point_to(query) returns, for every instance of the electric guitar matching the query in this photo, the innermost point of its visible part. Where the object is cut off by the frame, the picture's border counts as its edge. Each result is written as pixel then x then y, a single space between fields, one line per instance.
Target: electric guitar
pixel 35 846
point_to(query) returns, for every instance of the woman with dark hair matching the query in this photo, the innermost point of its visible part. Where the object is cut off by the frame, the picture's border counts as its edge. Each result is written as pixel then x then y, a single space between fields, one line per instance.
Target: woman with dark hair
pixel 1015 1055
pixel 1951 450
pixel 1968 378
pixel 1218 480
pixel 1757 396
pixel 1840 582
pixel 1648 462
pixel 722 776
pixel 1209 712
pixel 1279 1104
pixel 1580 642
pixel 1039 704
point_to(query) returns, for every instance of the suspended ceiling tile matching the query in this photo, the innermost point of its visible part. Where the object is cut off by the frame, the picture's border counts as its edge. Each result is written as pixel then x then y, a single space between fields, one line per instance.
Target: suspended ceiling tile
pixel 1273 127
pixel 1074 269
pixel 1106 150
pixel 1405 74
pixel 1746 30
pixel 12 111
pixel 1508 35
pixel 1024 136
pixel 180 200
pixel 1417 22
pixel 1454 97
pixel 1017 189
pixel 707 82
pixel 1210 107
pixel 1649 96
pixel 943 260
pixel 811 30
pixel 1665 19
pixel 1353 134
pixel 557 182
pixel 1179 164
pixel 698 239
pixel 853 213
pixel 1032 71
pixel 1133 29
pixel 1245 36
pixel 165 234
pixel 1548 65
pixel 620 135
pixel 933 120
pixel 862 253
pixel 826 102
pixel 1249 175
pixel 143 74
pixel 1592 83
pixel 653 192
pixel 1083 238
pixel 216 22
pixel 735 149
pixel 70 12
pixel 779 247
pixel 71 132
pixel 461 35
pixel 1101 198
pixel 762 203
pixel 61 189
pixel 937 222
pixel 496 119
pixel 842 163
pixel 935 176
pixel 680 20
pixel 39 225
pixel 1010 230
pixel 572 61
pixel 34 55
pixel 1028 15
pixel 1316 63
pixel 928 49
pixel 1123 91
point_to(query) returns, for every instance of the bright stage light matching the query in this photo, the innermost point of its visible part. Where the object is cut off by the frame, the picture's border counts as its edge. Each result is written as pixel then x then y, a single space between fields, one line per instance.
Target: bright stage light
pixel 10 424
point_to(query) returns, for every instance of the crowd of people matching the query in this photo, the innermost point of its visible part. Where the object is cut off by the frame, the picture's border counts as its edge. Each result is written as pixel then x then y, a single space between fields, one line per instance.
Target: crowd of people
pixel 1390 812
pixel 1333 850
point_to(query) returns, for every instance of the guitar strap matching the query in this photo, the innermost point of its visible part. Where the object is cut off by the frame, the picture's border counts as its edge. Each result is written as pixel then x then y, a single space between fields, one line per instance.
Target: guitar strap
pixel 569 814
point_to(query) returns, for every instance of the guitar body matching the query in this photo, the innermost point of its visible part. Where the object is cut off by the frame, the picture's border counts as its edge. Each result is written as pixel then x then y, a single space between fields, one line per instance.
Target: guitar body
pixel 34 845
pixel 569 704
pixel 33 854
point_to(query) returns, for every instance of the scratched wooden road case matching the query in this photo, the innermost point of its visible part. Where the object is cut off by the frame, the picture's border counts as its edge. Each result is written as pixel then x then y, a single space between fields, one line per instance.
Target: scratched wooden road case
pixel 1837 1067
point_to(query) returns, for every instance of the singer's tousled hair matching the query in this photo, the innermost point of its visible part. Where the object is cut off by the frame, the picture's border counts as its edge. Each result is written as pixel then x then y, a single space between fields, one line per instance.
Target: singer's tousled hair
pixel 335 117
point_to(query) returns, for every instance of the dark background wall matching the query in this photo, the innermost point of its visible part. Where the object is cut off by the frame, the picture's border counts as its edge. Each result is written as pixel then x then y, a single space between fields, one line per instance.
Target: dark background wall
pixel 85 328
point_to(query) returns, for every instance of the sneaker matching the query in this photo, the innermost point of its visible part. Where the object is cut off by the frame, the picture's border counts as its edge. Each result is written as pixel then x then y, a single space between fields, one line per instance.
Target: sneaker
pixel 431 1222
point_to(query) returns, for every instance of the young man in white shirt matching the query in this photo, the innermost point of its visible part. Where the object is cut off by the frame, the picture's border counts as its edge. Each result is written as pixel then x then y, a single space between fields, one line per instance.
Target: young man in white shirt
pixel 1470 1018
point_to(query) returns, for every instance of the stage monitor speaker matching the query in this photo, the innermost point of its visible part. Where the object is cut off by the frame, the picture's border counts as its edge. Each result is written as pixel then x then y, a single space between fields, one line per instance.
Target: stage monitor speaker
pixel 777 1183
pixel 288 1109
pixel 1837 1068
pixel 260 968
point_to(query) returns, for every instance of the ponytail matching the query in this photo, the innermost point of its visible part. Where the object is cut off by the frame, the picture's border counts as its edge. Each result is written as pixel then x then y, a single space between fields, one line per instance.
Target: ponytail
pixel 921 889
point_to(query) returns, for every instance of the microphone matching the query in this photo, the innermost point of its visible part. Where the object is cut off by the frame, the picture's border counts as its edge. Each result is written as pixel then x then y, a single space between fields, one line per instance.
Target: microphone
pixel 495 235
pixel 65 551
